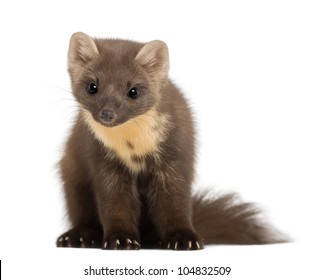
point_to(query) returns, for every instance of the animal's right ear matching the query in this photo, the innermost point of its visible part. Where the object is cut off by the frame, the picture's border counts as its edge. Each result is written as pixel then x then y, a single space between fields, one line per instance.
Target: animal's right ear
pixel 81 51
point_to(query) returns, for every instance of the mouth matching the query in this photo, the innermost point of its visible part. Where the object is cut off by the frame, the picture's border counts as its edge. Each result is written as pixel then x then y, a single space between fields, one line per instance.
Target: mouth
pixel 110 122
pixel 105 124
pixel 106 120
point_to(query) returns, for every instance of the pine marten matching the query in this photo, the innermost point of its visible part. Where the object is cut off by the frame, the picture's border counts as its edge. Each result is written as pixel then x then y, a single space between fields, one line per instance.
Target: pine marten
pixel 128 164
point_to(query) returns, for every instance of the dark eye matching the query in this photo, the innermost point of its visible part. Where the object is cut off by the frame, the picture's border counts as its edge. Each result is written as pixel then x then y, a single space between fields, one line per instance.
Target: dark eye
pixel 92 88
pixel 133 93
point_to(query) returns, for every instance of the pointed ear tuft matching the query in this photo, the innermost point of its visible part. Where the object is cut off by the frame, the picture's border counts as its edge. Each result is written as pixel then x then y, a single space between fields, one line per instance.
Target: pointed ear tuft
pixel 153 56
pixel 82 50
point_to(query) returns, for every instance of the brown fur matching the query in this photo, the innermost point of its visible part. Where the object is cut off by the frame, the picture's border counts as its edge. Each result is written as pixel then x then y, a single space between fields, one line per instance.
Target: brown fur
pixel 128 164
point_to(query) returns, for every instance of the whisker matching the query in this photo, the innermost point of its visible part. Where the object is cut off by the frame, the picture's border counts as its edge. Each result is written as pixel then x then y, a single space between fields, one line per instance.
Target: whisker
pixel 62 89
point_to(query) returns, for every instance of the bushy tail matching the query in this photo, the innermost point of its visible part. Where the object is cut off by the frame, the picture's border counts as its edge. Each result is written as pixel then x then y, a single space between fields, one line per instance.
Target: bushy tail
pixel 224 220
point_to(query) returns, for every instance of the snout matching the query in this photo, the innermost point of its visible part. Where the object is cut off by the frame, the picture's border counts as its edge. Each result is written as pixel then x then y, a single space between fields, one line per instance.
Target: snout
pixel 107 116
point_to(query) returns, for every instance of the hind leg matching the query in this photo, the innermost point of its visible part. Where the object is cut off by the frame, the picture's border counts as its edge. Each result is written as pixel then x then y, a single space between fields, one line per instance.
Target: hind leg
pixel 81 237
pixel 86 230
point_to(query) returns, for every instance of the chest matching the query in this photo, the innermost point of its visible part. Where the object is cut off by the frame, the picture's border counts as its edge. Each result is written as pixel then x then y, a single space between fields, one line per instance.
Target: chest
pixel 133 140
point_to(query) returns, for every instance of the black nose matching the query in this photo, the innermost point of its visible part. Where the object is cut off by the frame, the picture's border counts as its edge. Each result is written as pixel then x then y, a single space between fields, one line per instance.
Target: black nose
pixel 107 116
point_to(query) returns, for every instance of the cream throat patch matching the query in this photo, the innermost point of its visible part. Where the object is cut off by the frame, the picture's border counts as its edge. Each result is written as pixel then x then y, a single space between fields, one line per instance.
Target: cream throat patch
pixel 134 139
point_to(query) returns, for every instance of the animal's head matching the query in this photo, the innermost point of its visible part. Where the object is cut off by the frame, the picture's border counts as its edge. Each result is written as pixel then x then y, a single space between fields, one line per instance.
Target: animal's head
pixel 116 80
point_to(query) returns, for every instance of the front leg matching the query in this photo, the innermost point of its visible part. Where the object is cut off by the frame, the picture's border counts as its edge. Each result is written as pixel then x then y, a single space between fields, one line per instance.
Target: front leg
pixel 172 213
pixel 119 210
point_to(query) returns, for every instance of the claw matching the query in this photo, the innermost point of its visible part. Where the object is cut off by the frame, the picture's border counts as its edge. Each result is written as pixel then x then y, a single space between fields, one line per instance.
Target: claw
pixel 67 239
pixel 128 243
pixel 189 245
pixel 117 243
pixel 176 245
pixel 105 245
pixel 136 243
pixel 82 244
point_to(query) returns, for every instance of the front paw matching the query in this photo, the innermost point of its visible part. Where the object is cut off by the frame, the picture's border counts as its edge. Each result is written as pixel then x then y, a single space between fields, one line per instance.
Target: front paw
pixel 121 241
pixel 80 238
pixel 182 240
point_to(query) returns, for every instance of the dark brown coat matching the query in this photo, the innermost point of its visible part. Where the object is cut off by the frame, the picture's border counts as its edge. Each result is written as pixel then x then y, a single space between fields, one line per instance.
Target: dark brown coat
pixel 128 164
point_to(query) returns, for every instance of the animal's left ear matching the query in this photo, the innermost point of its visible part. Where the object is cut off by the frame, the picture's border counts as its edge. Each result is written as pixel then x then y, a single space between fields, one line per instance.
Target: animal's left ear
pixel 153 57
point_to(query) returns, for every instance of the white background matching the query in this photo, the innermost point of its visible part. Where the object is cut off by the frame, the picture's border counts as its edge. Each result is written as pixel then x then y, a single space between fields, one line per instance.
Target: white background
pixel 245 66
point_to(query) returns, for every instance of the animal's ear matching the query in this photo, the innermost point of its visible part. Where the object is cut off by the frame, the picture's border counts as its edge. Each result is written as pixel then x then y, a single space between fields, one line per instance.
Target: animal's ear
pixel 153 57
pixel 81 51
